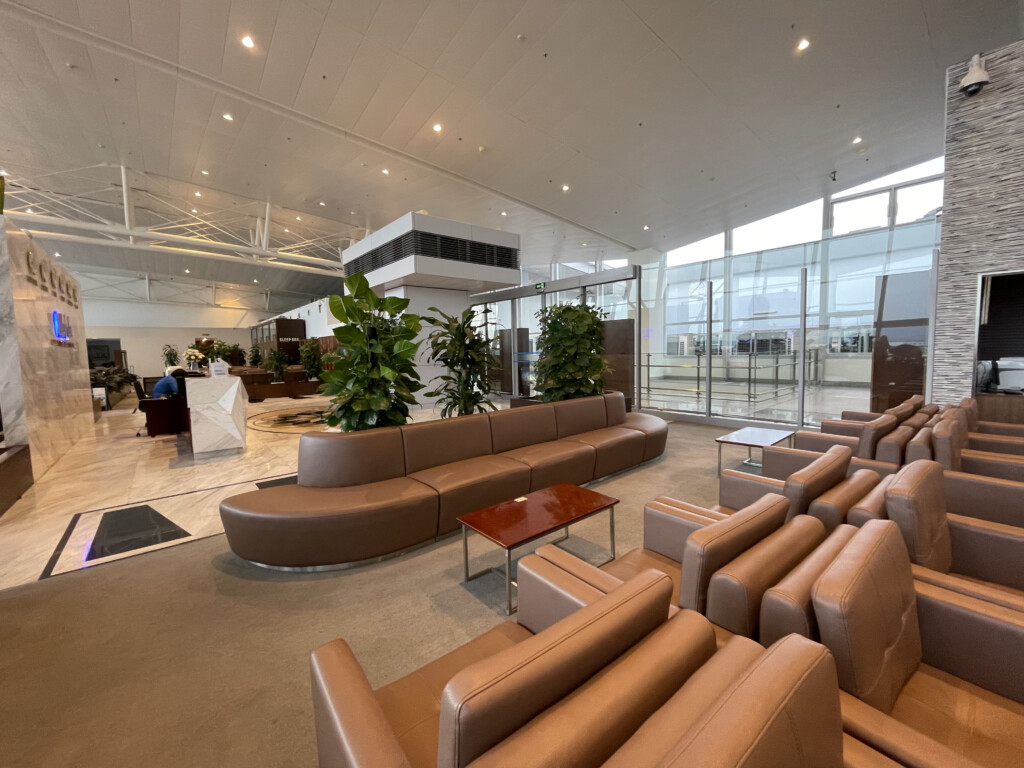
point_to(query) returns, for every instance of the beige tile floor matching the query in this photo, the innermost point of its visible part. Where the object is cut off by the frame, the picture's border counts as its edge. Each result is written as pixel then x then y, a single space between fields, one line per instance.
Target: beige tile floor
pixel 113 468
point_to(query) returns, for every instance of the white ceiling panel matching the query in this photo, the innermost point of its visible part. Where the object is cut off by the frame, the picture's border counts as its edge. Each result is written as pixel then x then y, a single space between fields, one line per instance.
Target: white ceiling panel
pixel 365 74
pixel 296 33
pixel 335 47
pixel 203 34
pixel 155 25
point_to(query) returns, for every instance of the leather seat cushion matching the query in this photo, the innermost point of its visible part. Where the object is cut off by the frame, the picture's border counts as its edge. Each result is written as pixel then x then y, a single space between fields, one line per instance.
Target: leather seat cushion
pixel 560 461
pixel 412 704
pixel 808 483
pixel 292 525
pixel 618 448
pixel 636 560
pixel 871 506
pixel 831 506
pixel 470 484
pixel 655 429
pixel 990 592
pixel 980 725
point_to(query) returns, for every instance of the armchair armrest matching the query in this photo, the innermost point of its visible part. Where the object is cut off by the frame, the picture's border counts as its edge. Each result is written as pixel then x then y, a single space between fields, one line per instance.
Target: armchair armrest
pixel 739 489
pixel 668 523
pixel 972 639
pixel 547 593
pixel 351 730
pixel 837 427
pixel 859 416
pixel 988 551
pixel 990 464
pixel 979 441
pixel 813 441
pixel 897 741
pixel 1001 428
pixel 985 498
pixel 602 581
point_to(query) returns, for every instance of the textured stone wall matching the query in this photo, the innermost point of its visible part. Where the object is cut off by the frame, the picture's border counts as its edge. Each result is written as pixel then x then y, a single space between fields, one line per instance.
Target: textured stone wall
pixel 983 209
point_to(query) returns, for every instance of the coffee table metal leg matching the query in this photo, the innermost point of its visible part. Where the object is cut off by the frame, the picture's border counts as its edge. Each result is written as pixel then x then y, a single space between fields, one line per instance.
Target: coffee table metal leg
pixel 719 459
pixel 611 528
pixel 465 553
pixel 508 582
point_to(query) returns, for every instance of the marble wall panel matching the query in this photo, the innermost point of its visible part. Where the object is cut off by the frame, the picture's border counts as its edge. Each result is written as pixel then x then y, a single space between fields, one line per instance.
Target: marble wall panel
pixel 51 409
pixel 983 209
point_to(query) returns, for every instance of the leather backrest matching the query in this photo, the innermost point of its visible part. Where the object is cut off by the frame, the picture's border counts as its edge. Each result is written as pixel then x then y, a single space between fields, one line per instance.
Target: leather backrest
pixel 433 443
pixel 786 608
pixel 783 711
pixel 871 506
pixel 916 502
pixel 930 409
pixel 890 448
pixel 915 401
pixel 948 439
pixel 866 610
pixel 487 701
pixel 581 415
pixel 959 415
pixel 615 407
pixel 780 462
pixel 335 460
pixel 710 548
pixel 517 427
pixel 920 446
pixel 916 421
pixel 587 727
pixel 872 433
pixel 831 507
pixel 805 485
pixel 970 407
pixel 902 412
pixel 736 589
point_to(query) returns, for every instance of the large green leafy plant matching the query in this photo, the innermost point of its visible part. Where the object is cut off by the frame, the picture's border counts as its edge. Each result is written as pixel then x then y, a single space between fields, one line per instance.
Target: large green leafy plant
pixel 309 356
pixel 373 376
pixel 276 363
pixel 255 358
pixel 571 348
pixel 459 346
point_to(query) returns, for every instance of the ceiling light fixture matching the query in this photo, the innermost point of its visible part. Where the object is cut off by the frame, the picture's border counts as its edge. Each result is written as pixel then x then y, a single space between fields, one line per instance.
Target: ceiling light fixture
pixel 194 211
pixel 298 218
pixel 3 173
pixel 227 116
pixel 56 254
pixel 255 280
pixel 322 203
pixel 646 227
pixel 565 187
pixel 188 272
pixel 286 229
pixel 504 213
pixel 205 173
pixel 247 42
pixel 29 211
pixel 199 194
pixel 437 127
pixel 584 245
pixel 803 45
pixel 858 140
pixel 385 171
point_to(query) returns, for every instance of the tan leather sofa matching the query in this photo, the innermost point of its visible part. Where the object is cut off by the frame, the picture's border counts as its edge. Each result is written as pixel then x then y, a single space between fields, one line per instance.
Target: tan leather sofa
pixel 970 405
pixel 950 449
pixel 366 494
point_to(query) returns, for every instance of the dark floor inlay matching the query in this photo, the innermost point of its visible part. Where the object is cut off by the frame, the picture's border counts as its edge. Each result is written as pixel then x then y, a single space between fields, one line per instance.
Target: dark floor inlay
pixel 290 480
pixel 123 530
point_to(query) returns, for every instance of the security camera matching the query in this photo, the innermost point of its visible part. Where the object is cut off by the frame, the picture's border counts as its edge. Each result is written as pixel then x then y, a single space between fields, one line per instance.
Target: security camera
pixel 977 77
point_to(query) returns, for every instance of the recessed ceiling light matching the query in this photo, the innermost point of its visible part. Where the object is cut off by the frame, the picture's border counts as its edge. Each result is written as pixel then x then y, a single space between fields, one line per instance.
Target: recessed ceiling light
pixel 56 254
pixel 646 227
pixel 188 272
pixel 437 127
pixel 322 203
pixel 286 229
pixel 858 140
pixel 194 211
pixel 255 280
pixel 3 173
pixel 298 218
pixel 227 116
pixel 29 211
pixel 205 173
pixel 385 171
pixel 504 213
pixel 352 213
pixel 584 245
pixel 199 194
pixel 803 45
pixel 247 42
pixel 565 187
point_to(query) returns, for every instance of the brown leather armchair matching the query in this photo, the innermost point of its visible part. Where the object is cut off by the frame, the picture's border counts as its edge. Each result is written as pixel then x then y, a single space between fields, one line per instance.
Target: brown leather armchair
pixel 861 437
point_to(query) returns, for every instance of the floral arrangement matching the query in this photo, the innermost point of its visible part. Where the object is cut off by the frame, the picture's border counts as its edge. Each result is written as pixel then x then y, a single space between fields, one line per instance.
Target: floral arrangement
pixel 192 355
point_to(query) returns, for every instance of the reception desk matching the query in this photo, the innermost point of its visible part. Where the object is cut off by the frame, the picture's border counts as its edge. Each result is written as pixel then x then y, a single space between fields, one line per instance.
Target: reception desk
pixel 217 413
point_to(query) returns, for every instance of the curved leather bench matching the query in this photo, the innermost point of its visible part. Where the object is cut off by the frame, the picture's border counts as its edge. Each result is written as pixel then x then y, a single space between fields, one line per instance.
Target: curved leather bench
pixel 361 495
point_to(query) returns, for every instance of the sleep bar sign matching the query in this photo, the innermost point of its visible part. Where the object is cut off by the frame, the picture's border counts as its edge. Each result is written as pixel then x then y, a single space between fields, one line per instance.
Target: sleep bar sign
pixel 61 324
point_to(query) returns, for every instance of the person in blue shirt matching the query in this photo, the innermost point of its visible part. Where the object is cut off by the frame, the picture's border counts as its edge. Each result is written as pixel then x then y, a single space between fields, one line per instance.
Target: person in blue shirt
pixel 166 387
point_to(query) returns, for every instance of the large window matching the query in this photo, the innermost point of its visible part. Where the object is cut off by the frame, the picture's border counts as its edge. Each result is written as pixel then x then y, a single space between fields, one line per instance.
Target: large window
pixel 797 225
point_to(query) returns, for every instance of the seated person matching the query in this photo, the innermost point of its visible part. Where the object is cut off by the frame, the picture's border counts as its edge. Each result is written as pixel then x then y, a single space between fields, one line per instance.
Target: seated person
pixel 167 386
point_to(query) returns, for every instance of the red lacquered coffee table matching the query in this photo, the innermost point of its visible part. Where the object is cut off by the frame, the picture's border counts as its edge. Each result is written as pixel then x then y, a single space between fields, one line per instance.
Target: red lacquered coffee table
pixel 511 524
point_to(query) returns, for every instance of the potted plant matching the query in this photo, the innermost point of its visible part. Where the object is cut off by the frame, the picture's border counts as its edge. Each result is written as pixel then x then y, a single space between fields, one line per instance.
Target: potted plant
pixel 309 356
pixel 373 377
pixel 170 355
pixel 193 357
pixel 237 354
pixel 276 363
pixel 571 348
pixel 255 358
pixel 459 346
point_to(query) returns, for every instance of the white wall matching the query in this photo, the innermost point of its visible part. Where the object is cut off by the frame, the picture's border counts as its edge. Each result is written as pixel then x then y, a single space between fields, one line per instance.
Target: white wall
pixel 144 345
pixel 319 320
pixel 155 315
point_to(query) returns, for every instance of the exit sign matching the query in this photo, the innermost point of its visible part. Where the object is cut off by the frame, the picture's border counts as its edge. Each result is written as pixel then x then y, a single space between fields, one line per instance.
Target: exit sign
pixel 539 286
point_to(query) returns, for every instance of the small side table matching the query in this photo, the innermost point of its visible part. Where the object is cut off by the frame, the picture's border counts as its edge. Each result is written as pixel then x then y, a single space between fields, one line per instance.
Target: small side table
pixel 751 437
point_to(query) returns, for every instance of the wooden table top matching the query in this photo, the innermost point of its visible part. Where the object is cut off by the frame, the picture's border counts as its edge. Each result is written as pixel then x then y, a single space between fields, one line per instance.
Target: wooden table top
pixel 520 520
pixel 755 437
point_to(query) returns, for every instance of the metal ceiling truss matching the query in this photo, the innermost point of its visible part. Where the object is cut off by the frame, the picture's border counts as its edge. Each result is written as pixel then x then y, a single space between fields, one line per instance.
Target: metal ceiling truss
pixel 154 211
